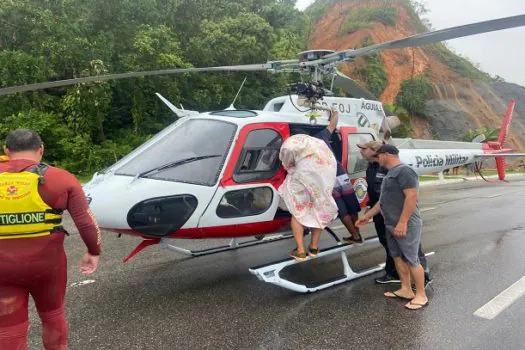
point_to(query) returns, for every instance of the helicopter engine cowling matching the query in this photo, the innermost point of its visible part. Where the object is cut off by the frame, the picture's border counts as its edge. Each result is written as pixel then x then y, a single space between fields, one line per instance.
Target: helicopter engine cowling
pixel 393 122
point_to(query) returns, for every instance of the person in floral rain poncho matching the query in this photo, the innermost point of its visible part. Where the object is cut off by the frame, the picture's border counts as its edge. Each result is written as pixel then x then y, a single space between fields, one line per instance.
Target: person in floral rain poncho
pixel 307 189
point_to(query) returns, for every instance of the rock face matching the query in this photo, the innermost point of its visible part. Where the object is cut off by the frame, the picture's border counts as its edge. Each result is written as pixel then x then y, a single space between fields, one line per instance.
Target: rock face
pixel 463 97
pixel 455 108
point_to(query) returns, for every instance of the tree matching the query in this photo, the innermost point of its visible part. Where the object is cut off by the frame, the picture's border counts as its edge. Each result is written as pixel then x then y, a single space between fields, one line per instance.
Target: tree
pixel 413 94
pixel 98 122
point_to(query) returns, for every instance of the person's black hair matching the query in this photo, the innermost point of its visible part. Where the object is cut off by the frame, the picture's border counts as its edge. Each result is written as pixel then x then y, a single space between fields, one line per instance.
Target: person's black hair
pixel 20 140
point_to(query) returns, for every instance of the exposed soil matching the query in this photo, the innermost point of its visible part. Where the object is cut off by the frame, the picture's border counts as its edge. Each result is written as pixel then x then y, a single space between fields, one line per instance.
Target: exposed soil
pixel 457 103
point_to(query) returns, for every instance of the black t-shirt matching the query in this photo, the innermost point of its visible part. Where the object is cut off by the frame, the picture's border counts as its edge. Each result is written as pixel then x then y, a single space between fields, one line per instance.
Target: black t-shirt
pixel 326 136
pixel 374 176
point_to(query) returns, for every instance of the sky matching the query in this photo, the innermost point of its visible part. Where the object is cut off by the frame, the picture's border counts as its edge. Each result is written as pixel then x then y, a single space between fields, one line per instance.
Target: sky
pixel 501 52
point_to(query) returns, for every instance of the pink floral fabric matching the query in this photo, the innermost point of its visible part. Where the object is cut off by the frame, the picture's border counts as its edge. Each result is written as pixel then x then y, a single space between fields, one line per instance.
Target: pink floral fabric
pixel 307 188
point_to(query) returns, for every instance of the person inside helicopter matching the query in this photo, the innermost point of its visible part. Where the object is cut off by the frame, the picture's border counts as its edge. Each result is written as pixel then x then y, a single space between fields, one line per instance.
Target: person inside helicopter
pixel 345 197
pixel 307 189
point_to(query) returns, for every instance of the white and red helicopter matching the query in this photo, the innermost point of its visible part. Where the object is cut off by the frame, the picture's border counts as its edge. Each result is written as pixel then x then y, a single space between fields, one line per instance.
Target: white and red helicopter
pixel 215 174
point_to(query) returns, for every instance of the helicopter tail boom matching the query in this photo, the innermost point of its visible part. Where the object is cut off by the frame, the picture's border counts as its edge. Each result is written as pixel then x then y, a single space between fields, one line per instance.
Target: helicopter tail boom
pixel 496 148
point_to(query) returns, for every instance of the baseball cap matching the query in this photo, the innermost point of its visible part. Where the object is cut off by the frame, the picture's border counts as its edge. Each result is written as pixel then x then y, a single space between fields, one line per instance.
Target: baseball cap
pixel 375 145
pixel 388 149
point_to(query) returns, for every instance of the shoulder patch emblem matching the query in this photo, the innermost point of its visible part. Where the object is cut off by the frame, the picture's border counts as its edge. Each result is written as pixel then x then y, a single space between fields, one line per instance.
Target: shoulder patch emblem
pixel 360 188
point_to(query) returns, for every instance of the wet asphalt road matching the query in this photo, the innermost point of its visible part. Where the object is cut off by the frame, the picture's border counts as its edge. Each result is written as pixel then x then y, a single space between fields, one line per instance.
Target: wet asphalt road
pixel 162 300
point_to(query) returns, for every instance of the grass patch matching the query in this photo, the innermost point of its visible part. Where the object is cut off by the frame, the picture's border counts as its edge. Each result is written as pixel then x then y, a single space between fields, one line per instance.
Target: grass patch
pixel 367 17
pixel 459 64
pixel 462 173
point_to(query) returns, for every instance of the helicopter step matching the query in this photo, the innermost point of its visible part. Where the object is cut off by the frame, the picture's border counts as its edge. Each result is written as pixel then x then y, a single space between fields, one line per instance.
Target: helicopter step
pixel 234 244
pixel 275 272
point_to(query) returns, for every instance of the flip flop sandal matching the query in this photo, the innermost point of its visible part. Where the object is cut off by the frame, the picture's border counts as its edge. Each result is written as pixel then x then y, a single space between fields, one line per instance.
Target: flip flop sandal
pixel 394 295
pixel 351 239
pixel 313 252
pixel 298 256
pixel 416 304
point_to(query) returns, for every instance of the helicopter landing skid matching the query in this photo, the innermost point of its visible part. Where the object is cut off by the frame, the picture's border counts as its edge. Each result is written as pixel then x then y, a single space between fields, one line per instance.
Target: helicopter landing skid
pixel 271 273
pixel 234 244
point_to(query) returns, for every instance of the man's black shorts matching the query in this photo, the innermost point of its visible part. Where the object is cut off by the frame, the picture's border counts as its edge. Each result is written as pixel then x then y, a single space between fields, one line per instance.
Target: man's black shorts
pixel 346 200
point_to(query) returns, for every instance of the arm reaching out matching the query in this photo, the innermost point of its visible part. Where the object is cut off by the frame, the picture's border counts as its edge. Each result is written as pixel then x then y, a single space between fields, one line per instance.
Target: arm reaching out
pixel 334 118
pixel 368 215
pixel 87 226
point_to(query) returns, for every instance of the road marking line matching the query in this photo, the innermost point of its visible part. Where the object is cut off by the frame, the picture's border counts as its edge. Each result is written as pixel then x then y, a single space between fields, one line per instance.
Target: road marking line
pixel 502 300
pixel 427 254
pixel 437 203
pixel 81 283
pixel 495 195
pixel 427 209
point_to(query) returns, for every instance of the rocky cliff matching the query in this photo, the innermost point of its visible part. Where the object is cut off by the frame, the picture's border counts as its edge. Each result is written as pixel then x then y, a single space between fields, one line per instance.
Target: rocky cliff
pixel 462 98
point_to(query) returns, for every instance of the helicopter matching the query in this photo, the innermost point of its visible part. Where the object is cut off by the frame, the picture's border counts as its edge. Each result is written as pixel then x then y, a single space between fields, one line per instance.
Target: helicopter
pixel 215 174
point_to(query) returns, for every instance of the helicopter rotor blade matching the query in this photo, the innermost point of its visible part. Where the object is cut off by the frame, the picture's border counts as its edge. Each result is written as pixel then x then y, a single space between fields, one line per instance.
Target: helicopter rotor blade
pixel 350 86
pixel 427 38
pixel 277 65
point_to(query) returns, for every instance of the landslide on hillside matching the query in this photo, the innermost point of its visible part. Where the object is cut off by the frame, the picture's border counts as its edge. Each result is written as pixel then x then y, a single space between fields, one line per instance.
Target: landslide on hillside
pixel 463 97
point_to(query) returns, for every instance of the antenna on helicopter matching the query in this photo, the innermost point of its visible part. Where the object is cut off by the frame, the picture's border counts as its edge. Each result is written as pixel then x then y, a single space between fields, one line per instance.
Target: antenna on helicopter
pixel 235 99
pixel 178 112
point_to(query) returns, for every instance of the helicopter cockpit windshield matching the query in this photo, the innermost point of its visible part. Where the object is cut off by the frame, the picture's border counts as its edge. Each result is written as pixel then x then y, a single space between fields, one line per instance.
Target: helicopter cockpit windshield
pixel 193 152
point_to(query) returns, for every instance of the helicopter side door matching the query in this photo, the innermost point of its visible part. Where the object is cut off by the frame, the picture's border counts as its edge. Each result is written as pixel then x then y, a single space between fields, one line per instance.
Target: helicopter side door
pixel 353 161
pixel 247 196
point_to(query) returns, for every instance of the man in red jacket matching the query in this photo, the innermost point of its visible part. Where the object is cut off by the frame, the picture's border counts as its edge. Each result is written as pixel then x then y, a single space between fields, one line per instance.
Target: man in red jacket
pixel 33 196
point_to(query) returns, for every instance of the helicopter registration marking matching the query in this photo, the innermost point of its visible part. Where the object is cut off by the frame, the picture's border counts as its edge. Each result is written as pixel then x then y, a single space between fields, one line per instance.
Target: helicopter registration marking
pixel 341 107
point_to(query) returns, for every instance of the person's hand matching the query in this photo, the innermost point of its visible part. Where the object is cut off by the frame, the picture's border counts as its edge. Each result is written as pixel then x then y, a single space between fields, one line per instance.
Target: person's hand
pixel 88 264
pixel 401 229
pixel 363 220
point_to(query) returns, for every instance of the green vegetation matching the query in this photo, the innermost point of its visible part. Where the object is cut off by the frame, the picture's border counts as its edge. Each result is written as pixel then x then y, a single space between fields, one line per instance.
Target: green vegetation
pixel 89 126
pixel 464 173
pixel 318 9
pixel 367 17
pixel 404 130
pixel 374 75
pixel 459 64
pixel 413 94
pixel 490 134
pixel 416 9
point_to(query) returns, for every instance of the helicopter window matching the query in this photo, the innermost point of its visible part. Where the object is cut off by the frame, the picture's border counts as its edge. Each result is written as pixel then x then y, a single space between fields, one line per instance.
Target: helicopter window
pixel 259 159
pixel 236 113
pixel 335 138
pixel 277 107
pixel 245 202
pixel 356 162
pixel 203 145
